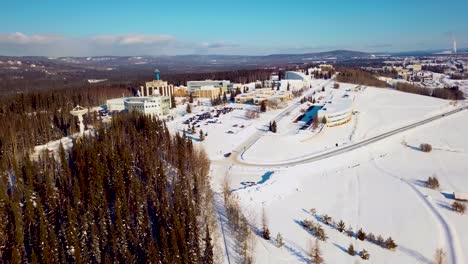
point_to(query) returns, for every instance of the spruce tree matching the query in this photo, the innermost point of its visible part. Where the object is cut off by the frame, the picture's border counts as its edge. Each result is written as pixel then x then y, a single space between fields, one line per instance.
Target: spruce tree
pixel 208 252
pixel 202 135
pixel 315 253
pixel 279 240
pixel 265 229
pixel 351 250
pixel 341 226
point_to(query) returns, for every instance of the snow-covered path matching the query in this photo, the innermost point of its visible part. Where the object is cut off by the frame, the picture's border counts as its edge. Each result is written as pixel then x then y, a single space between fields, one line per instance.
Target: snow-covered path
pixel 445 229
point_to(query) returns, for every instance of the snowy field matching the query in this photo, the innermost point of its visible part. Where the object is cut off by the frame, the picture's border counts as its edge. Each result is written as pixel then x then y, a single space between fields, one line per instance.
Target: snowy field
pixel 377 188
pixel 377 111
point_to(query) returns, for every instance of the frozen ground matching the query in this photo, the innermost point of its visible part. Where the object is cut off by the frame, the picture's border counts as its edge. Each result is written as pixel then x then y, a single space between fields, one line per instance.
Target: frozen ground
pixel 377 111
pixel 219 141
pixel 377 188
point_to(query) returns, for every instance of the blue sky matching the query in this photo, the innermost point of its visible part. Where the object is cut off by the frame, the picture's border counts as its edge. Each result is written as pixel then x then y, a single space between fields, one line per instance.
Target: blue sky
pixel 144 27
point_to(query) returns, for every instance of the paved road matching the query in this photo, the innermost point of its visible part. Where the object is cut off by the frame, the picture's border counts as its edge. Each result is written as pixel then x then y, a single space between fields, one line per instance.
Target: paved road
pixel 236 159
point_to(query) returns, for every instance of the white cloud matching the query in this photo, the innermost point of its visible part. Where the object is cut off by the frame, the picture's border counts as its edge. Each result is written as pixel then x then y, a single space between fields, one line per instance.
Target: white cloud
pixel 23 39
pixel 218 44
pixel 21 44
pixel 133 39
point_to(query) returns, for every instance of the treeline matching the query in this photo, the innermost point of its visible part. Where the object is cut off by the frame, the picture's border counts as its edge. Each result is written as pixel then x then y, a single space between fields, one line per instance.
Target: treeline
pixel 357 76
pixel 34 118
pixel 361 77
pixel 442 93
pixel 132 193
pixel 236 76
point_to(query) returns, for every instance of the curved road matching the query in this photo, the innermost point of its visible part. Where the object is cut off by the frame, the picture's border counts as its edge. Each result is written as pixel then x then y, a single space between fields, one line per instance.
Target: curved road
pixel 237 159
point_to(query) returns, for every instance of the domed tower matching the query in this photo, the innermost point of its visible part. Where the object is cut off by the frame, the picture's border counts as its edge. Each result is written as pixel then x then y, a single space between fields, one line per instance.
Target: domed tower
pixel 158 74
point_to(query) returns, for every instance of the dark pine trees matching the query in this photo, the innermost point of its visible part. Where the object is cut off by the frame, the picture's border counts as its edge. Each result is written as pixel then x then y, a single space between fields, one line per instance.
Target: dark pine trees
pixel 113 198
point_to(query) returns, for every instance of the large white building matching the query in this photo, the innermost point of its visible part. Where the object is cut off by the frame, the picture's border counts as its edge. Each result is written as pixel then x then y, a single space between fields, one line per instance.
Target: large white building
pixel 116 104
pixel 296 80
pixel 337 110
pixel 197 85
pixel 155 105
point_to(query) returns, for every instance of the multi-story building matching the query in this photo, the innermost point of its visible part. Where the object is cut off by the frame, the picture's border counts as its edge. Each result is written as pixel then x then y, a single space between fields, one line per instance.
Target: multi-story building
pixel 209 91
pixel 154 105
pixel 197 85
pixel 157 86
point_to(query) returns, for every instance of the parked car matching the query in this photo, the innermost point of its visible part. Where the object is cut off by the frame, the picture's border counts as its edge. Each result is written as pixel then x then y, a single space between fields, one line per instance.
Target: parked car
pixel 227 155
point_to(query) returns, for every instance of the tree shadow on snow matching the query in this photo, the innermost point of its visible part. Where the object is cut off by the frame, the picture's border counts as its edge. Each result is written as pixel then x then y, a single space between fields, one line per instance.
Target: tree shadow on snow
pixel 414 254
pixel 414 148
pixel 296 253
pixel 420 183
pixel 445 206
pixel 290 249
pixel 345 250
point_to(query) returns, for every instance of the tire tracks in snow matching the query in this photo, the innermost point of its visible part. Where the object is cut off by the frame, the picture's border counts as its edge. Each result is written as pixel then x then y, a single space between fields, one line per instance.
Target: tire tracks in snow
pixel 451 240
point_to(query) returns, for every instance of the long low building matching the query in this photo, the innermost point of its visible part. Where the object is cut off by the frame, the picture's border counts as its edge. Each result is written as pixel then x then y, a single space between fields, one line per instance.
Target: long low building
pixel 264 94
pixel 337 110
pixel 116 104
pixel 155 105
pixel 197 85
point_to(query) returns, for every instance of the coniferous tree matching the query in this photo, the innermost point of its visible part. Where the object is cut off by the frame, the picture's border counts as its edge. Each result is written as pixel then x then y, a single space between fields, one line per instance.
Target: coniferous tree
pixel 279 240
pixel 106 200
pixel 315 123
pixel 361 235
pixel 202 135
pixel 351 250
pixel 265 229
pixel 208 252
pixel 390 244
pixel 263 107
pixel 440 256
pixel 173 102
pixel 341 226
pixel 315 253
pixel 364 254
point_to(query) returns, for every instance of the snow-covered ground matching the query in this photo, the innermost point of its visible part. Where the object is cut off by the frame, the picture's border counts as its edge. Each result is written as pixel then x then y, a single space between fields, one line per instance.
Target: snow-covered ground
pixel 377 111
pixel 219 140
pixel 377 188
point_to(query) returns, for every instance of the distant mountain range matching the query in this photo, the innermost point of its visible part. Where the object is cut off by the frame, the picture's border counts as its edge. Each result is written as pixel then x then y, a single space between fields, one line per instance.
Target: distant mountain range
pixel 169 64
pixel 128 67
